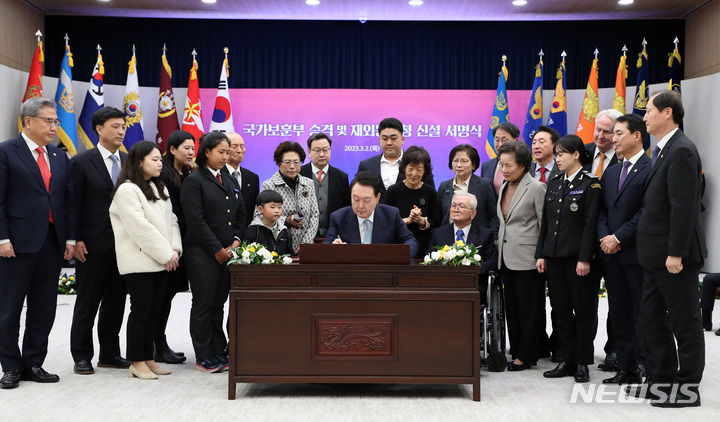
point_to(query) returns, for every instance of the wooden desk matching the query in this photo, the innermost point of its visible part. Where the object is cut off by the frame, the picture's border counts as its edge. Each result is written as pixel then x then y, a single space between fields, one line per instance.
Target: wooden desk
pixel 309 323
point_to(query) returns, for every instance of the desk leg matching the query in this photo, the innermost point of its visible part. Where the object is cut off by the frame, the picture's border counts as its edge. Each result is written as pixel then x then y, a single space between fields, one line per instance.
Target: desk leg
pixel 231 387
pixel 476 391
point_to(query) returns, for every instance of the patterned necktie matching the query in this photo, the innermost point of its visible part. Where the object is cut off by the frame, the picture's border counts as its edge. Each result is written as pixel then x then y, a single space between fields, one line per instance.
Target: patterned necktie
pixel 498 181
pixel 542 171
pixel 236 175
pixel 655 153
pixel 601 166
pixel 460 235
pixel 45 172
pixel 623 175
pixel 115 170
pixel 320 175
pixel 219 178
pixel 368 233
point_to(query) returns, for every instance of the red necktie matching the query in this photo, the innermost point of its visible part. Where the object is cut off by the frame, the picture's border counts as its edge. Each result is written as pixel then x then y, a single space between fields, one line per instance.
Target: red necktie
pixel 45 171
pixel 320 175
pixel 219 178
pixel 542 171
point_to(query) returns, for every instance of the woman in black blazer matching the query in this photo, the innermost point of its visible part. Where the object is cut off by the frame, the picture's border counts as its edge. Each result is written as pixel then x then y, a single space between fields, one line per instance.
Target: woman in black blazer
pixel 464 160
pixel 567 249
pixel 215 219
pixel 176 167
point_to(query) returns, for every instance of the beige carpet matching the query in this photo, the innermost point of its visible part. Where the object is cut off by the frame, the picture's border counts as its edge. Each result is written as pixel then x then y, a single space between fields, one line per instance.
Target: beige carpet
pixel 189 395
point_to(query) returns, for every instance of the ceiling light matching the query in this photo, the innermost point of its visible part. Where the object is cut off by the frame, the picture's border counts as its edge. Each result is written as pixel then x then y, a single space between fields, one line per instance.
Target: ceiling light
pixel 625 2
pixel 519 2
pixel 209 1
pixel 415 2
pixel 312 2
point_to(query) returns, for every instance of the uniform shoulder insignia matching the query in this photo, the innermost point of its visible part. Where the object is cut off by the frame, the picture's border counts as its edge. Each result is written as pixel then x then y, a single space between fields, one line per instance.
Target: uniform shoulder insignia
pixel 595 186
pixel 558 176
pixel 588 174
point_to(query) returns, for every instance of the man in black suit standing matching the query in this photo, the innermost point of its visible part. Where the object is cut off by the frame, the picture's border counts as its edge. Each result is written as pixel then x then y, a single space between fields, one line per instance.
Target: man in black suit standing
pixel 620 211
pixel 544 167
pixel 37 230
pixel 671 248
pixel 331 184
pixel 94 173
pixel 386 166
pixel 601 149
pixel 248 181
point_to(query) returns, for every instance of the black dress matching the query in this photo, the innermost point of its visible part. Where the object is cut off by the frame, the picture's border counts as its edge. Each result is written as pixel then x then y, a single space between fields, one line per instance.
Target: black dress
pixel 403 198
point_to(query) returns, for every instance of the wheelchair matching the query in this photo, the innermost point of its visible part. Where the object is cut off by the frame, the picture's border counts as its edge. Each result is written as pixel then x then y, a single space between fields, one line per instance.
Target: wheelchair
pixel 493 336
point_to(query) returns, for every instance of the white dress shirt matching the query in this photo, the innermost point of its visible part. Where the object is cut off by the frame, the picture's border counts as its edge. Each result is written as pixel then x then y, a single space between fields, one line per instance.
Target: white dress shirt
pixel 389 171
pixel 361 226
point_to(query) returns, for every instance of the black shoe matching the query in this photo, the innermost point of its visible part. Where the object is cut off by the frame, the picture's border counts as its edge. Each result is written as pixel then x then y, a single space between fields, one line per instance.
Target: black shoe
pixel 717 333
pixel 83 367
pixel 223 359
pixel 117 362
pixel 642 391
pixel 678 400
pixel 625 377
pixel 607 368
pixel 707 320
pixel 10 379
pixel 178 354
pixel 562 370
pixel 582 374
pixel 164 354
pixel 38 374
pixel 512 366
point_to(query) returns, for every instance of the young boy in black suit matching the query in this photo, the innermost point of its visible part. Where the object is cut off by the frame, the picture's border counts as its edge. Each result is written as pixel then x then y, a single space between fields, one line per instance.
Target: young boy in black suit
pixel 266 228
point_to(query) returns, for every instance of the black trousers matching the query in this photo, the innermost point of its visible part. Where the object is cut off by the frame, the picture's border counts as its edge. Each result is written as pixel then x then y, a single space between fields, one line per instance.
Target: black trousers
pixel 624 285
pixel 176 280
pixel 147 294
pixel 210 285
pixel 99 286
pixel 710 283
pixel 670 313
pixel 33 276
pixel 574 300
pixel 524 299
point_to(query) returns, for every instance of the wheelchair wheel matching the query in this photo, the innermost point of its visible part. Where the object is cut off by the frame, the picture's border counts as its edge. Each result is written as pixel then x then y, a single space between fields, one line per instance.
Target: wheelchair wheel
pixel 493 327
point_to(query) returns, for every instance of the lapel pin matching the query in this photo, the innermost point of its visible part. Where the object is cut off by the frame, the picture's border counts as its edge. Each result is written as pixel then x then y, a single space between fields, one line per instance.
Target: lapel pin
pixel 54 155
pixel 635 170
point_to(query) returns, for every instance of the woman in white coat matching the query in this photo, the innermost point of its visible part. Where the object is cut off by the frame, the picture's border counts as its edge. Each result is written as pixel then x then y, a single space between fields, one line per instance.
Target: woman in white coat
pixel 519 209
pixel 147 245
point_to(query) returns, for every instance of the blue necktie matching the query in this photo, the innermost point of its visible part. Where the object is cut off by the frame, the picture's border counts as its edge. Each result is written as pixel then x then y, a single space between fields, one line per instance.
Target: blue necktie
pixel 115 170
pixel 623 175
pixel 655 153
pixel 460 235
pixel 368 233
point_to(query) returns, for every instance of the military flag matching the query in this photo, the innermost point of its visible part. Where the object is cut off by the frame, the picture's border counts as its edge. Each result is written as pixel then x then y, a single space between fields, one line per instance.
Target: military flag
pixel 642 89
pixel 167 114
pixel 222 119
pixel 94 101
pixel 558 111
pixel 591 105
pixel 192 120
pixel 500 109
pixel 34 83
pixel 621 84
pixel 675 63
pixel 131 106
pixel 533 119
pixel 67 130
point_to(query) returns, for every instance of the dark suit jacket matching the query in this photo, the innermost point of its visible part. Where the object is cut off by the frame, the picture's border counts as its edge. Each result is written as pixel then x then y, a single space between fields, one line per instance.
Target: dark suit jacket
pixel 487 202
pixel 214 213
pixel 590 148
pixel 388 228
pixel 487 169
pixel 482 238
pixel 553 173
pixel 670 223
pixel 249 190
pixel 620 210
pixel 372 165
pixel 338 190
pixel 93 194
pixel 25 203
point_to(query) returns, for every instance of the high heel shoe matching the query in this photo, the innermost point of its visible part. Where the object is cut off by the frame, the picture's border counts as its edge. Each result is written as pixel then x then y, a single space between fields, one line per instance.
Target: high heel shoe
pixel 137 374
pixel 159 371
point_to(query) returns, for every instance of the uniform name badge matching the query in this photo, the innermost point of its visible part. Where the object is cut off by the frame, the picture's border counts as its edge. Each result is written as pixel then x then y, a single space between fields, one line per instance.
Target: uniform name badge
pixel 574 207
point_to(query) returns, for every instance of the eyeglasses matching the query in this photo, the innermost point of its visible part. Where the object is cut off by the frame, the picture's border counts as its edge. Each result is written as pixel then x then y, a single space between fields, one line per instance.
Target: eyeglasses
pixel 461 161
pixel 461 207
pixel 49 120
pixel 290 162
pixel 319 150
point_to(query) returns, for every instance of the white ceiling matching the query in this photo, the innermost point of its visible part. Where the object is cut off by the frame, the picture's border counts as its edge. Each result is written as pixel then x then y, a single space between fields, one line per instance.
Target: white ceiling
pixel 386 10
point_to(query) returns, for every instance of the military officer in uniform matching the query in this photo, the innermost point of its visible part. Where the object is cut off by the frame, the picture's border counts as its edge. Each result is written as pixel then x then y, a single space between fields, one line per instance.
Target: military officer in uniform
pixel 567 249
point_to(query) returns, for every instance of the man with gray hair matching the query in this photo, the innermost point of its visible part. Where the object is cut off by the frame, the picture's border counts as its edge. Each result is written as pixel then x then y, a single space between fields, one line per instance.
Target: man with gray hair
pixel 37 222
pixel 602 148
pixel 462 211
pixel 248 181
